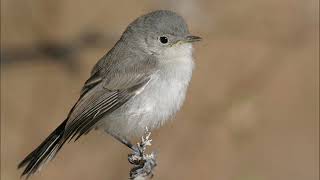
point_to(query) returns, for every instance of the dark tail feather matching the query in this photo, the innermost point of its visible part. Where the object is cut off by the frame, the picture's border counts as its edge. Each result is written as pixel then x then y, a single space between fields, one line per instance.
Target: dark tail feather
pixel 44 152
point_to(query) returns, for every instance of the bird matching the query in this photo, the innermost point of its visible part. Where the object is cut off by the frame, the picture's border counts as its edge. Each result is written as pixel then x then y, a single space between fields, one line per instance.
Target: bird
pixel 140 83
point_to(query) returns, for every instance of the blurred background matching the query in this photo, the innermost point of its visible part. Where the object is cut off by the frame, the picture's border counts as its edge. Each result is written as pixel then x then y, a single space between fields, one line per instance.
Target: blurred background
pixel 252 109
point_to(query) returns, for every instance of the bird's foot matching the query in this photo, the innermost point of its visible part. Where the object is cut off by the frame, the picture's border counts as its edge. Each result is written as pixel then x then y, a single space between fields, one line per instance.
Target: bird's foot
pixel 143 164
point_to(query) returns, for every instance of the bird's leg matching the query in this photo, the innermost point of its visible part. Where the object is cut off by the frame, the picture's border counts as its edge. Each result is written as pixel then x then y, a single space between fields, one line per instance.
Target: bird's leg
pixel 123 141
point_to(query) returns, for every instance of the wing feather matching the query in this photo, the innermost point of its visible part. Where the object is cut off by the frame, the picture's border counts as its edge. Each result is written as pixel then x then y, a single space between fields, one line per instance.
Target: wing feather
pixel 97 102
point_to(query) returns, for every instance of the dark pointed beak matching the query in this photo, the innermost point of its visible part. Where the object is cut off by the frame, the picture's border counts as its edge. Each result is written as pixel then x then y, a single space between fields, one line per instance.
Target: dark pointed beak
pixel 192 39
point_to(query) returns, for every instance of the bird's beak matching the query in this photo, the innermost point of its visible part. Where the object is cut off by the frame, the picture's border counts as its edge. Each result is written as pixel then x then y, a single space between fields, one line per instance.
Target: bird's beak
pixel 188 39
pixel 191 39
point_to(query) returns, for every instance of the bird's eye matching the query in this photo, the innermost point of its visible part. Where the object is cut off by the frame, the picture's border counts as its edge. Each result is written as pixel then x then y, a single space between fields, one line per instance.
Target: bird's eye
pixel 163 39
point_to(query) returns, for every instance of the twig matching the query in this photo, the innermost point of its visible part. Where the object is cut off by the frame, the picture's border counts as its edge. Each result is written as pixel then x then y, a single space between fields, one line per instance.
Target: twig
pixel 143 164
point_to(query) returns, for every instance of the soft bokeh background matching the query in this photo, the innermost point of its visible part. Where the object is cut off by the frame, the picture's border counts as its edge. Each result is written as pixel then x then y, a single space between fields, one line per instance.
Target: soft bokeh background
pixel 252 109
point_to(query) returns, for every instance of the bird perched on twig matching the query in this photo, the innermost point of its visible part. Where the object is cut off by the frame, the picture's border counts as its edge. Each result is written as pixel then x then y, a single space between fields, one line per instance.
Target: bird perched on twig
pixel 141 82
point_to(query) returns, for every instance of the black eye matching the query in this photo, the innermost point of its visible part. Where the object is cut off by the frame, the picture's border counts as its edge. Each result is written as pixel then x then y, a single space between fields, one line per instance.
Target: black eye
pixel 163 39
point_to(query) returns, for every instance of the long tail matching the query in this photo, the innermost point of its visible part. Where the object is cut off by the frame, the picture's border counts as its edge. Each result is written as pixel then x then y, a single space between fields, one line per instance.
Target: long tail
pixel 44 152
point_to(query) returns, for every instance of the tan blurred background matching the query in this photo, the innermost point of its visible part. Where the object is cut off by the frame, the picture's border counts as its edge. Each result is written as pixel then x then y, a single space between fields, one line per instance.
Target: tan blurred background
pixel 252 109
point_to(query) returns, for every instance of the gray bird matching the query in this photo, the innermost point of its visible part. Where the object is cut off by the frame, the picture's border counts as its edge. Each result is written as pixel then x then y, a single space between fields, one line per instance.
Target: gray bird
pixel 141 82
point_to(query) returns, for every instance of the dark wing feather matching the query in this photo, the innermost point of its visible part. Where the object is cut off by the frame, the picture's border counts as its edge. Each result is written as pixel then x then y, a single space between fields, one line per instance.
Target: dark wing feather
pixel 90 83
pixel 99 101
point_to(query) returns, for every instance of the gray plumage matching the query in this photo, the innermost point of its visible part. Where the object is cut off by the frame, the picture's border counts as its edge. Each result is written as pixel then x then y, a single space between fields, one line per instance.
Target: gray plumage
pixel 141 82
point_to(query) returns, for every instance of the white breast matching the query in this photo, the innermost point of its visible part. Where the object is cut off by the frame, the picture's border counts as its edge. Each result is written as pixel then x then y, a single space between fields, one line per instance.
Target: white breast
pixel 160 99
